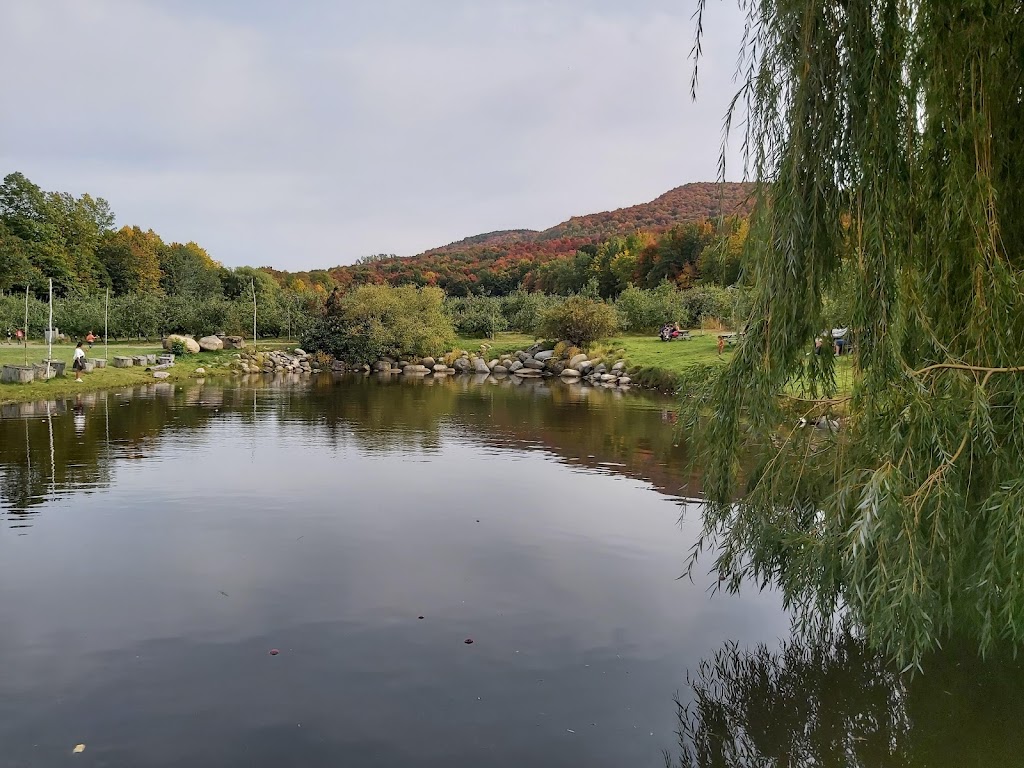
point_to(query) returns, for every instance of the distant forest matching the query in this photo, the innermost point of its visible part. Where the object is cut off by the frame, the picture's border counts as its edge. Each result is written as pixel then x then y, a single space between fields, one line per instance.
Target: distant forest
pixel 692 233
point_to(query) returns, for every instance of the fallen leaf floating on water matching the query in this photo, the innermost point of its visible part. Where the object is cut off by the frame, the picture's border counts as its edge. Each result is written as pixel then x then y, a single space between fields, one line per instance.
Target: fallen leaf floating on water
pixel 274 651
pixel 78 748
pixel 468 641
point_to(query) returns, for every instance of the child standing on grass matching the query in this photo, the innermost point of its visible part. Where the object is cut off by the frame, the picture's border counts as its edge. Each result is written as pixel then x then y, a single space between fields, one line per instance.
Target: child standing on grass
pixel 78 362
pixel 721 344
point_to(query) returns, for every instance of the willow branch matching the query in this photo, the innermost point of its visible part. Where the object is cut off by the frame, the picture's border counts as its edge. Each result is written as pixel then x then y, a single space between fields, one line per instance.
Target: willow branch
pixel 965 367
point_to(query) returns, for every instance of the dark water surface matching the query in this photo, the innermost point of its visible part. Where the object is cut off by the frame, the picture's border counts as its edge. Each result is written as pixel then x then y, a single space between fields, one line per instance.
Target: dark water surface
pixel 157 544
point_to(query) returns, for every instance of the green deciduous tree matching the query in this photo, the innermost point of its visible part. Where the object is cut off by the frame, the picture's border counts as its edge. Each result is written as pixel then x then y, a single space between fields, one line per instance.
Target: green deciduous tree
pixel 887 138
pixel 131 260
pixel 578 319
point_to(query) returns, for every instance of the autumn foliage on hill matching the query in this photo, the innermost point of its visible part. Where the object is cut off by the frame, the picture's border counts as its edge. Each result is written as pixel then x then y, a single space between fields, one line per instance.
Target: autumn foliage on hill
pixel 498 263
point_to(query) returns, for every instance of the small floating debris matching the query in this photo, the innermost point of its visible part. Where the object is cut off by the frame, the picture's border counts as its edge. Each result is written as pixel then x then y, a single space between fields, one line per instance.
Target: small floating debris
pixel 569 730
pixel 468 641
pixel 419 617
pixel 79 749
pixel 274 651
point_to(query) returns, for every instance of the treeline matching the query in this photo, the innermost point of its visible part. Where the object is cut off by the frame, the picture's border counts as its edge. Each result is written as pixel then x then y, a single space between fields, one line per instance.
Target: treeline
pixel 152 316
pixel 637 310
pixel 156 287
pixel 506 280
pixel 704 251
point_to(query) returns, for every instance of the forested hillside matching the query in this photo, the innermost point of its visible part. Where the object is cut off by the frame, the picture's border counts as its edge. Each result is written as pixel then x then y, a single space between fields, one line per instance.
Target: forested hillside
pixel 692 233
pixel 498 263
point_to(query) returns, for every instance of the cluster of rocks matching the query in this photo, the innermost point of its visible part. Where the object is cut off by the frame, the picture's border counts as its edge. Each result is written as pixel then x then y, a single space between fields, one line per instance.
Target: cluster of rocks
pixel 276 361
pixel 206 343
pixel 565 362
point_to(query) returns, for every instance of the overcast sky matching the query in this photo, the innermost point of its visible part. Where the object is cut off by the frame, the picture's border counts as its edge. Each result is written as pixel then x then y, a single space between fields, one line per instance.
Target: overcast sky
pixel 308 133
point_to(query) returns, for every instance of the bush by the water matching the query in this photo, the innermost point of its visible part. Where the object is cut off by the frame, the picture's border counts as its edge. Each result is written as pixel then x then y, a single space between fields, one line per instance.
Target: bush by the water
pixel 375 321
pixel 580 320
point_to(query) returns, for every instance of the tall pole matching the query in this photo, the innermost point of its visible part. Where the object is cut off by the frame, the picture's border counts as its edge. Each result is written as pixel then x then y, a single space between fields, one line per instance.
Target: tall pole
pixel 49 336
pixel 106 315
pixel 25 329
pixel 252 284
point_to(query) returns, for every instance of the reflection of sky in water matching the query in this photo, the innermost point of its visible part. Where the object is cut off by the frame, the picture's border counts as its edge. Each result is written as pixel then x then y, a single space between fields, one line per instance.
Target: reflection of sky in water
pixel 138 618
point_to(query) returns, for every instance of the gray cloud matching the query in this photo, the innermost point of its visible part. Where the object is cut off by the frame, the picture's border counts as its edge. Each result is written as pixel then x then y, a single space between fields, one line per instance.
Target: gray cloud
pixel 306 137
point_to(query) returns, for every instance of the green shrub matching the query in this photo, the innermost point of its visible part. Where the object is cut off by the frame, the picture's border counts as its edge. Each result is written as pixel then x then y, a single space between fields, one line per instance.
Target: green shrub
pixel 178 348
pixel 580 320
pixel 374 321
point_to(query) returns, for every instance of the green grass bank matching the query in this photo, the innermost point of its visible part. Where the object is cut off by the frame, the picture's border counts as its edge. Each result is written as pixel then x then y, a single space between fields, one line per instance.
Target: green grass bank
pixel 101 378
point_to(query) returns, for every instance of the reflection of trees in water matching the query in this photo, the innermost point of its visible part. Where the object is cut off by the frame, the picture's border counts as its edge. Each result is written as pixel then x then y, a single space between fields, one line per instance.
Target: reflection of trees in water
pixel 832 702
pixel 49 448
pixel 593 427
pixel 92 433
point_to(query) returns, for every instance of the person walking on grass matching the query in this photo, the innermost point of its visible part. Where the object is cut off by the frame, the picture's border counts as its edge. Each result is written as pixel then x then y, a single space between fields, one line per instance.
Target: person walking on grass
pixel 78 362
pixel 90 339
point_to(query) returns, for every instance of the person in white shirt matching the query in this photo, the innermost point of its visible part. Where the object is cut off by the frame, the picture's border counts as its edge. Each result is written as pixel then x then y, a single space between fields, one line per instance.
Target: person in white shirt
pixel 78 362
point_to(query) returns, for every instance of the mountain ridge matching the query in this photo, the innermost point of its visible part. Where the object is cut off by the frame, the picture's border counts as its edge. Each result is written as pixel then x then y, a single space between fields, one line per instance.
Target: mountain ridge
pixel 501 261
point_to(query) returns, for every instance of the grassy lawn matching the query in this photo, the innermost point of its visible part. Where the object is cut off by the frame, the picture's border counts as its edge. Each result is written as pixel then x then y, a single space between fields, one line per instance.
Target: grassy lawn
pixel 106 378
pixel 651 352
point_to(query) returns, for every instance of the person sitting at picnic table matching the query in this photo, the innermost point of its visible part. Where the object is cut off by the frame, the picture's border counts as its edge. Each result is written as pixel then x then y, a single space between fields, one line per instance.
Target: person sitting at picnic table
pixel 668 332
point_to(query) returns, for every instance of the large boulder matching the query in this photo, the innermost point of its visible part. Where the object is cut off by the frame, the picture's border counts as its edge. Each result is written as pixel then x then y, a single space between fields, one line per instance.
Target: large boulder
pixel 211 344
pixel 537 365
pixel 515 366
pixel 576 360
pixel 570 373
pixel 191 345
pixel 428 362
pixel 545 355
pixel 233 342
pixel 479 366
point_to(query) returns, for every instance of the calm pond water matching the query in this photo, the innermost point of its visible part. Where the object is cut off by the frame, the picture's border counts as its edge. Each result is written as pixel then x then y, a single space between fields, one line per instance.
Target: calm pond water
pixel 158 544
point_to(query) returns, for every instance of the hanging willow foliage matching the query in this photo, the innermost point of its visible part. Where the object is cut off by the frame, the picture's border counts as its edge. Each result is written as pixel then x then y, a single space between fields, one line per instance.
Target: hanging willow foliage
pixel 887 140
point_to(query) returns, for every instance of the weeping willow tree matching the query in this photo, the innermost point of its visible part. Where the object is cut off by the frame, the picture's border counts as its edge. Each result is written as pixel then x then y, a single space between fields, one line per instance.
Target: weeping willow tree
pixel 887 140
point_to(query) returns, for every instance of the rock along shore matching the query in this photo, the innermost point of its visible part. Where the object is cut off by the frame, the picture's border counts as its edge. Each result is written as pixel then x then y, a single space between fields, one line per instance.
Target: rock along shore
pixel 563 361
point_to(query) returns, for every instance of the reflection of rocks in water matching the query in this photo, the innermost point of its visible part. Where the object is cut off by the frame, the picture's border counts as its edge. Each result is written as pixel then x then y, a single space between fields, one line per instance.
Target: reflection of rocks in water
pixel 834 702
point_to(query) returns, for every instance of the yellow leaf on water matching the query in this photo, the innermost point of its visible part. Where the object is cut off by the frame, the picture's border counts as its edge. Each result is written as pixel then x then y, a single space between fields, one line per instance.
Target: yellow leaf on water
pixel 78 748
